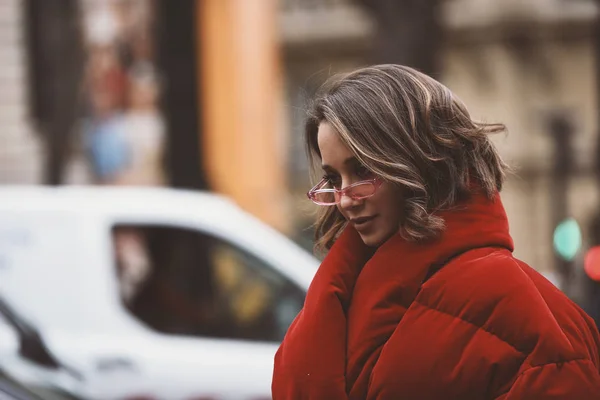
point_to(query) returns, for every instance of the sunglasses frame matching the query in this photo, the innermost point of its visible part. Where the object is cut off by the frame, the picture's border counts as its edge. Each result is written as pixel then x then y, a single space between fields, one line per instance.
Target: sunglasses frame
pixel 347 191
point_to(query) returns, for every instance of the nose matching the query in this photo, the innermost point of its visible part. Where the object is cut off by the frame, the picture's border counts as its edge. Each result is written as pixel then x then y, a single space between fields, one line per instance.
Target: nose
pixel 346 202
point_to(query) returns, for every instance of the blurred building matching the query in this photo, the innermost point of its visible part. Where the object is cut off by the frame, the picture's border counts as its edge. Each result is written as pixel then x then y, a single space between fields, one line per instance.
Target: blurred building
pixel 518 62
pixel 21 154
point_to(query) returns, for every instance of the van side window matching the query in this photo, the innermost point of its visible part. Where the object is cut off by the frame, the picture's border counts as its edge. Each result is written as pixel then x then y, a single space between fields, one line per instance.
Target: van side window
pixel 184 282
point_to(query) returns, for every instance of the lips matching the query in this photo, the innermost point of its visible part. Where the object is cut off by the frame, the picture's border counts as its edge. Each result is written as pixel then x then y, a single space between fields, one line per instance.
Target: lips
pixel 361 221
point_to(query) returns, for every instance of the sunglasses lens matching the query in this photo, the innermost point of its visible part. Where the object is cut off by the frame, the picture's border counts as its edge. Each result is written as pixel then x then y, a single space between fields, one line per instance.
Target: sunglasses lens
pixel 362 191
pixel 322 195
pixel 325 197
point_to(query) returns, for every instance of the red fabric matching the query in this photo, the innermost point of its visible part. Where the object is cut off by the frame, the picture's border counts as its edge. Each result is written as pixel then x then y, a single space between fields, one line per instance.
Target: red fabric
pixel 458 318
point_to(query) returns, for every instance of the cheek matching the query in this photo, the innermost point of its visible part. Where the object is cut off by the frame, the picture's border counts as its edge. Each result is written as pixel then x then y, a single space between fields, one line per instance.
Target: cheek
pixel 389 200
pixel 341 211
pixel 390 206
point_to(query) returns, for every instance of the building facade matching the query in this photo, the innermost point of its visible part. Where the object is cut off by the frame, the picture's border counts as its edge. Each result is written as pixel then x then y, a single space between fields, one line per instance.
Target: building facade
pixel 21 151
pixel 518 62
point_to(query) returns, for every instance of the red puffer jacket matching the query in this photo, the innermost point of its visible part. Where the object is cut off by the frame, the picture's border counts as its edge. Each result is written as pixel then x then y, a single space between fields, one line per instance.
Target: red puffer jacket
pixel 458 318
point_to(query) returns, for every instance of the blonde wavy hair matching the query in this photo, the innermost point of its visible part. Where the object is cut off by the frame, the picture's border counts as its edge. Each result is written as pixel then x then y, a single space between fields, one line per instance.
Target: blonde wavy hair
pixel 412 131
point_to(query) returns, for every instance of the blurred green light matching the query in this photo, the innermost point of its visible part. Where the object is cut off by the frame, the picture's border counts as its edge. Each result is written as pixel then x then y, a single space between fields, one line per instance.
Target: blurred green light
pixel 567 239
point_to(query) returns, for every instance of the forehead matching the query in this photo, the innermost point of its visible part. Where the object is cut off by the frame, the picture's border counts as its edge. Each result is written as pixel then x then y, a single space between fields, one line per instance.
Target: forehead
pixel 333 151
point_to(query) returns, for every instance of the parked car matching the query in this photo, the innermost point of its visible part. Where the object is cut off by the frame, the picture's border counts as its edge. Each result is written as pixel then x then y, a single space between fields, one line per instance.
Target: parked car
pixel 10 389
pixel 140 292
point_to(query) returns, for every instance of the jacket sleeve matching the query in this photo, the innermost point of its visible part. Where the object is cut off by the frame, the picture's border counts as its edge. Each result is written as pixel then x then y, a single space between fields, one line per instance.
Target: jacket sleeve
pixel 576 379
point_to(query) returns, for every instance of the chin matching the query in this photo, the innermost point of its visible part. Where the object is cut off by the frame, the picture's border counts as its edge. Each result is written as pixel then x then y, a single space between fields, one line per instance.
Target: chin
pixel 375 239
pixel 371 240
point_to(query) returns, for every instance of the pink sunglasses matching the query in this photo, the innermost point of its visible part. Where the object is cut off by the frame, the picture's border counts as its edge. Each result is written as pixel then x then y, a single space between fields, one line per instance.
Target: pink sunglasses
pixel 332 196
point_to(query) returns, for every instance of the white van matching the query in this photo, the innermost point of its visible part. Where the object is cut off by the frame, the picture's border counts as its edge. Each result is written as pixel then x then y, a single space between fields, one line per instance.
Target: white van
pixel 145 293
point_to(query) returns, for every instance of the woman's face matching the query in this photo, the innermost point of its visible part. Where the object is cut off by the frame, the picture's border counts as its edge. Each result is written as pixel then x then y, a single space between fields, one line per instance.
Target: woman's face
pixel 375 218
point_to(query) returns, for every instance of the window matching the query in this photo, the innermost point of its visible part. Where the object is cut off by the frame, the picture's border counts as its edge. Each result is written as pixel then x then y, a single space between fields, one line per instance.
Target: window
pixel 185 282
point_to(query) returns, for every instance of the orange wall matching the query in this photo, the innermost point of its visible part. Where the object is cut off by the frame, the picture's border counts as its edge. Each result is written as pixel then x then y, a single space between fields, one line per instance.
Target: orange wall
pixel 241 89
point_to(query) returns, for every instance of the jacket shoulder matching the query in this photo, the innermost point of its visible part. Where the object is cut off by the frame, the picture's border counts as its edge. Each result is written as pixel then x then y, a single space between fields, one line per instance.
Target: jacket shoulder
pixel 506 298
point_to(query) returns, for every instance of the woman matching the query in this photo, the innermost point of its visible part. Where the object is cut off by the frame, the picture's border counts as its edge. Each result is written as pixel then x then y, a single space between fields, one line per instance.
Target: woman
pixel 419 296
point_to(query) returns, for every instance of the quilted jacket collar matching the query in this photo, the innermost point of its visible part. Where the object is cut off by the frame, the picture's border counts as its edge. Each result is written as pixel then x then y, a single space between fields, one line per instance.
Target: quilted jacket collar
pixel 391 279
pixel 359 296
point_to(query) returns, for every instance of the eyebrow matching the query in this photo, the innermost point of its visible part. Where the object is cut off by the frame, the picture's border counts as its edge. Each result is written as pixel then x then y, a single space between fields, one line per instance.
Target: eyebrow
pixel 347 161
